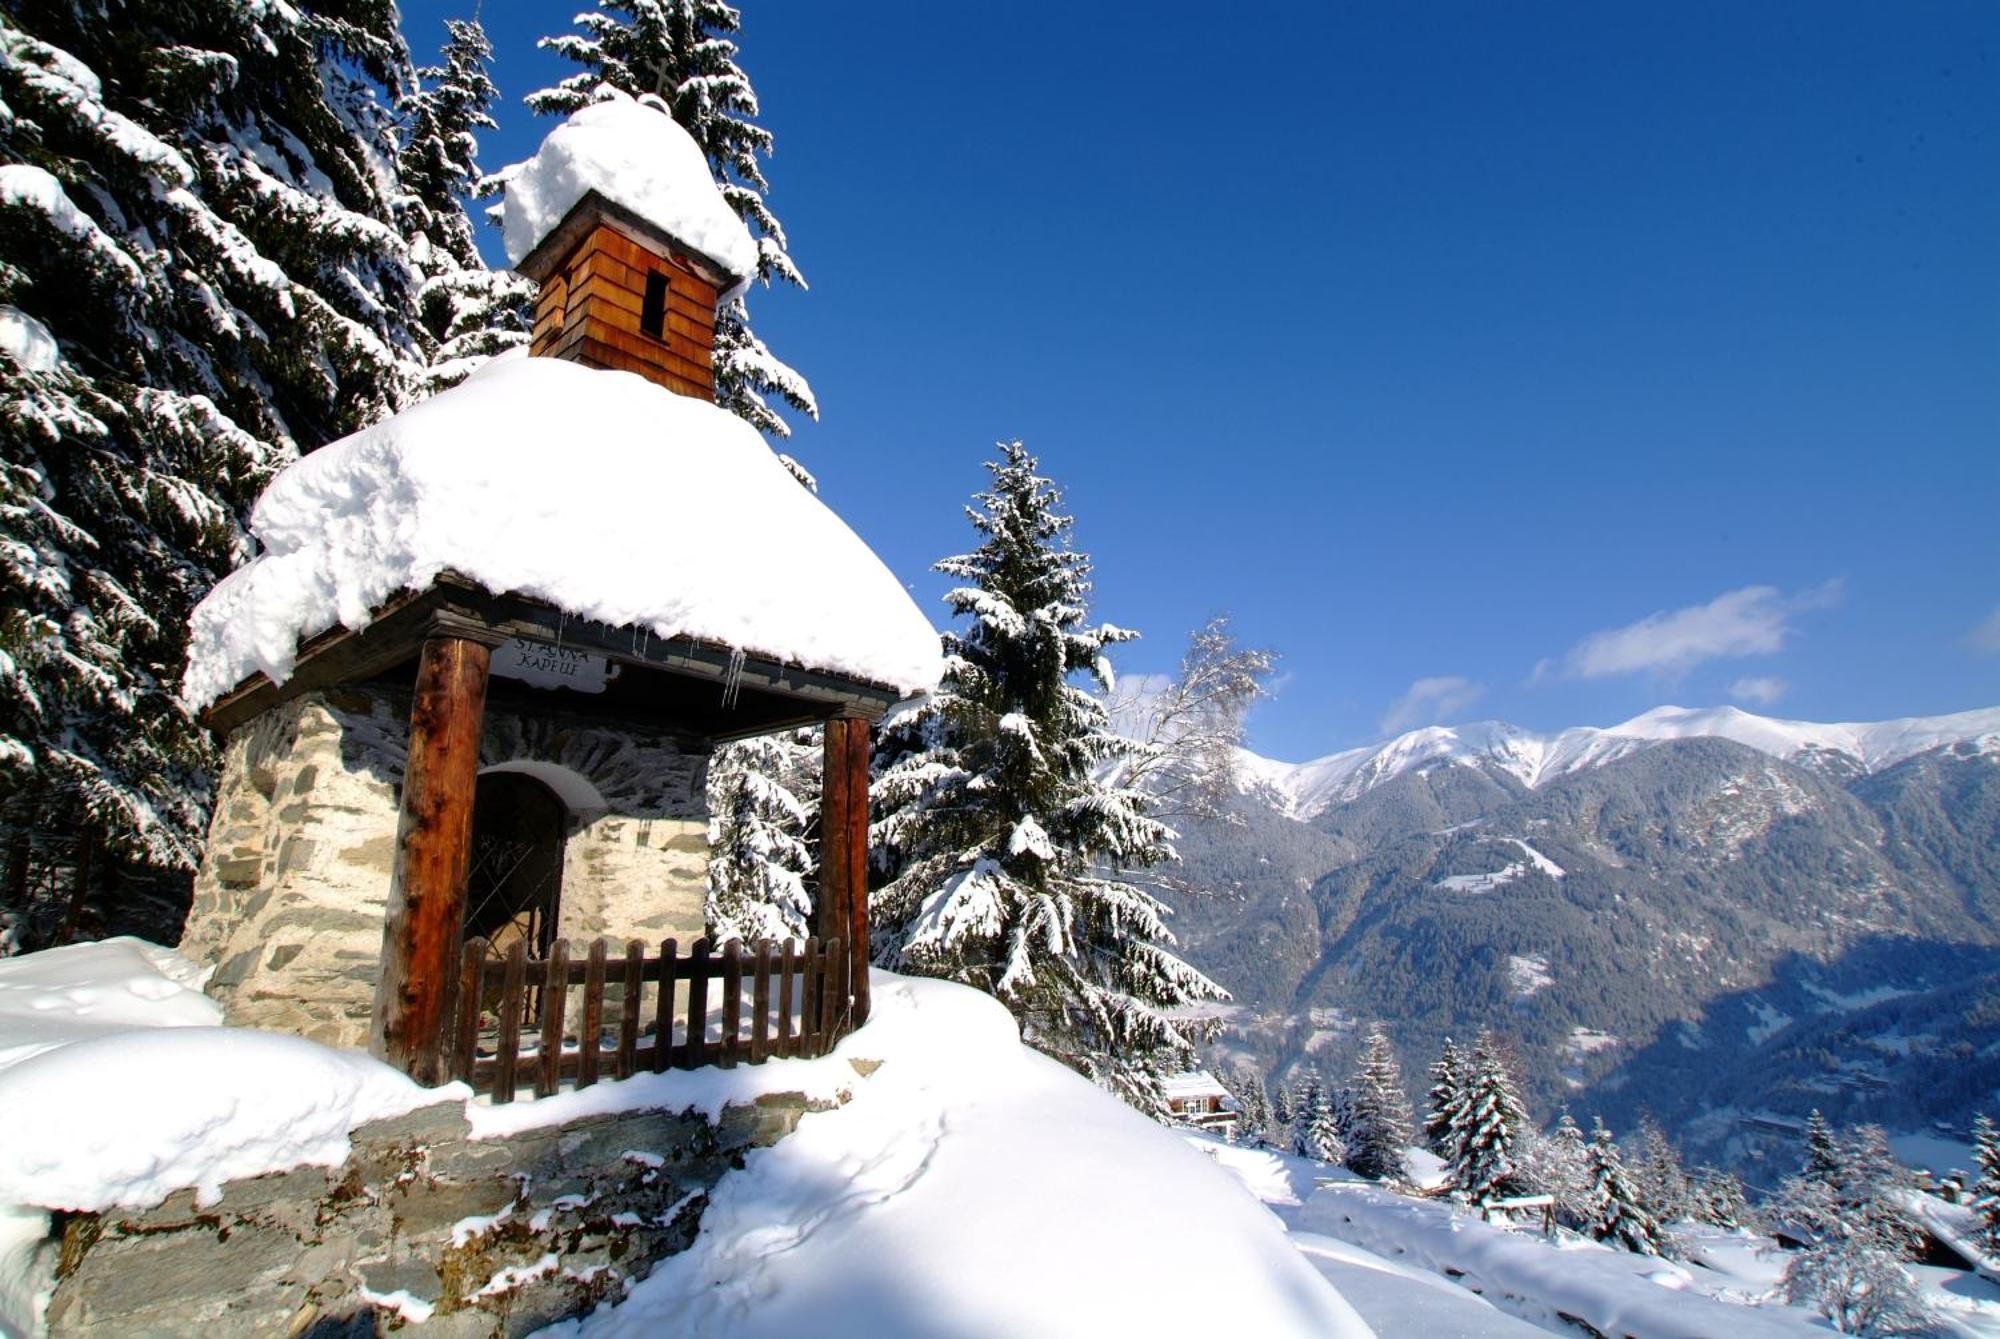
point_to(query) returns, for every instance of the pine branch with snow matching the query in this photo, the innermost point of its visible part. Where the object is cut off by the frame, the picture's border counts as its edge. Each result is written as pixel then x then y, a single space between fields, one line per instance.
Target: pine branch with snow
pixel 763 837
pixel 466 312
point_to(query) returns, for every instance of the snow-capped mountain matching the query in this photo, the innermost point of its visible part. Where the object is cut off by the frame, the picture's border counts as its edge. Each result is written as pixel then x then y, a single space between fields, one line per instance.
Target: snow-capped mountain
pixel 1306 790
pixel 1694 913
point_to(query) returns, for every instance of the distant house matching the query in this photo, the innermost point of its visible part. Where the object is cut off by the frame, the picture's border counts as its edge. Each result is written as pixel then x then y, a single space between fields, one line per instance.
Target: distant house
pixel 1195 1098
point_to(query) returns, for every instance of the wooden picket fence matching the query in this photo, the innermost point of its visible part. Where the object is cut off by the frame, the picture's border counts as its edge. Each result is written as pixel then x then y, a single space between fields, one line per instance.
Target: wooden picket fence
pixel 521 1022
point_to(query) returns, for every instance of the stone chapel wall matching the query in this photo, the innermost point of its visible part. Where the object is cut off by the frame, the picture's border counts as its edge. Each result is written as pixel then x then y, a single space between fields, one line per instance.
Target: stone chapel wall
pixel 291 894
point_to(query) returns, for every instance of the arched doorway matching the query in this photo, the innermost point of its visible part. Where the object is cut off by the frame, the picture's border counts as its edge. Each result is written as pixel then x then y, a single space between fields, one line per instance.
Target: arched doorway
pixel 514 888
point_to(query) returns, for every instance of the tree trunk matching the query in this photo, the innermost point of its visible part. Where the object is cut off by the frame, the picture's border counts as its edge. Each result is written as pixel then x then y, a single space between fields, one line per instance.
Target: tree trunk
pixel 424 926
pixel 843 851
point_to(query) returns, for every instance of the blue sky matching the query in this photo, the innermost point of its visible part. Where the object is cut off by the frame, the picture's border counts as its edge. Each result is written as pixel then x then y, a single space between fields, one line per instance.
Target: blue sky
pixel 1539 361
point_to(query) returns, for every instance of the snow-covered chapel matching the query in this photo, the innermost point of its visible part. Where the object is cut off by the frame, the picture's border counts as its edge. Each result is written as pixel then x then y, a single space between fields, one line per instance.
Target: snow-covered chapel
pixel 471 682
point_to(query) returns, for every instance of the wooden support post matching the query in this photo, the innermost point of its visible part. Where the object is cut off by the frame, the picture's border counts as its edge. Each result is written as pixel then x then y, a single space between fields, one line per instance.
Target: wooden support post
pixel 420 939
pixel 842 912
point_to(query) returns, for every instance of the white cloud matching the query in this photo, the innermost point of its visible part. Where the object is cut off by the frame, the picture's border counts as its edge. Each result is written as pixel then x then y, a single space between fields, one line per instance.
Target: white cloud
pixel 1429 701
pixel 1754 621
pixel 1763 691
pixel 1985 636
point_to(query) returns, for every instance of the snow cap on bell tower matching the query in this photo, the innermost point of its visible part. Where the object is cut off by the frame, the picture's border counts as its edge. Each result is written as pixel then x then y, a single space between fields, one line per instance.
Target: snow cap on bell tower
pixel 618 218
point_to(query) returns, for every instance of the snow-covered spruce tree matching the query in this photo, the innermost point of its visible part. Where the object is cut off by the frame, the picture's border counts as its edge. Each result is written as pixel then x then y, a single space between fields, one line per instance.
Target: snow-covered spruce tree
pixel 466 311
pixel 194 232
pixel 1444 1104
pixel 763 800
pixel 1487 1165
pixel 1850 1269
pixel 1381 1128
pixel 1252 1105
pixel 1558 1164
pixel 1846 1206
pixel 1719 1200
pixel 1616 1213
pixel 1315 1128
pixel 1283 1105
pixel 1822 1152
pixel 680 51
pixel 997 842
pixel 1985 1192
pixel 1656 1172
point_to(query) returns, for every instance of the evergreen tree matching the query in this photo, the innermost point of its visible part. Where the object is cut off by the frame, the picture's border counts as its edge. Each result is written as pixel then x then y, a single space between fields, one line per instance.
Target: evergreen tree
pixel 1986 1188
pixel 1719 1200
pixel 1487 1165
pixel 763 796
pixel 1846 1205
pixel 1616 1214
pixel 998 842
pixel 1822 1154
pixel 680 51
pixel 1283 1107
pixel 466 312
pixel 1444 1104
pixel 1315 1131
pixel 1558 1164
pixel 1253 1106
pixel 1381 1128
pixel 1656 1173
pixel 201 277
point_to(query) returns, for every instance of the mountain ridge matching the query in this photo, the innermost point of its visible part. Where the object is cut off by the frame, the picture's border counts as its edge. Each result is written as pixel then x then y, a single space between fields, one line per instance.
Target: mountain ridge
pixel 1845 749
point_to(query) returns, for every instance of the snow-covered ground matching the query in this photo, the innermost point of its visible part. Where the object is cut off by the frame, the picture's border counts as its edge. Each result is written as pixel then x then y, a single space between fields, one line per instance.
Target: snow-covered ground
pixel 968 1186
pixel 965 1187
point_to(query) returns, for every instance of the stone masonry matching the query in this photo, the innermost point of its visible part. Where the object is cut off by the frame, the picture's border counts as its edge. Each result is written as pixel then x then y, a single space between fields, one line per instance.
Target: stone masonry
pixel 474 1238
pixel 291 894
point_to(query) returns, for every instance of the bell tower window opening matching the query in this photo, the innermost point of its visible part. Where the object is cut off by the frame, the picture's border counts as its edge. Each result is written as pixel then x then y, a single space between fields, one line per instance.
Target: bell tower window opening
pixel 653 309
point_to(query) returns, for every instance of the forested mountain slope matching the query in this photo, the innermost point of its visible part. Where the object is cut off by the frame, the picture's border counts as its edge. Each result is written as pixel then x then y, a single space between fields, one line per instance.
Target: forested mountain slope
pixel 1683 922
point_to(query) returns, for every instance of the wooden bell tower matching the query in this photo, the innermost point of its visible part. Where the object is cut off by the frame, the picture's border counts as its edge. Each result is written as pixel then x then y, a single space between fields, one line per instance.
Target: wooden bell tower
pixel 618 293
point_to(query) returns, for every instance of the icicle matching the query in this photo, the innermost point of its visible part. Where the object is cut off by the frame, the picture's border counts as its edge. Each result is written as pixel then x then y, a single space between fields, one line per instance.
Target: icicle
pixel 732 682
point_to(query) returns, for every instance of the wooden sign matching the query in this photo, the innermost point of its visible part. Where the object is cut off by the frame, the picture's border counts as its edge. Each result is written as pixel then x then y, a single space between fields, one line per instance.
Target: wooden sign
pixel 546 666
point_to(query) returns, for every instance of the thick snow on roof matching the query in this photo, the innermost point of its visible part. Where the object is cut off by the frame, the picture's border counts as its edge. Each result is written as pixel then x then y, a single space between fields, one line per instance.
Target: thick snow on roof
pixel 632 154
pixel 598 492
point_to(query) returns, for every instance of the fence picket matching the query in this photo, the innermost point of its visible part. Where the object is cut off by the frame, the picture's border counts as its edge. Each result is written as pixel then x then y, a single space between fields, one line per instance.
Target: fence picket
pixel 760 1005
pixel 471 980
pixel 507 1053
pixel 788 985
pixel 555 1000
pixel 732 1004
pixel 663 1007
pixel 628 1008
pixel 697 1047
pixel 590 1035
pixel 815 991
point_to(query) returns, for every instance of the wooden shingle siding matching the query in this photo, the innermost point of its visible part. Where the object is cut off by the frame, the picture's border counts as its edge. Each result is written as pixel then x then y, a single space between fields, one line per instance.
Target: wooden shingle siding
pixel 589 312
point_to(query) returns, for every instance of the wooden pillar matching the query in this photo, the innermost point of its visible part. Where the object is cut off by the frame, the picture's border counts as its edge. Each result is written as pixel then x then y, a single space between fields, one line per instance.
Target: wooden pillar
pixel 425 923
pixel 843 850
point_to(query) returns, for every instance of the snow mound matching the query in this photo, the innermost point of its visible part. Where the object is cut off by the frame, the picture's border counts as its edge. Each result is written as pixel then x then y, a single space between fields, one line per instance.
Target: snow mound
pixel 127 1119
pixel 599 492
pixel 66 995
pixel 632 154
pixel 973 1187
